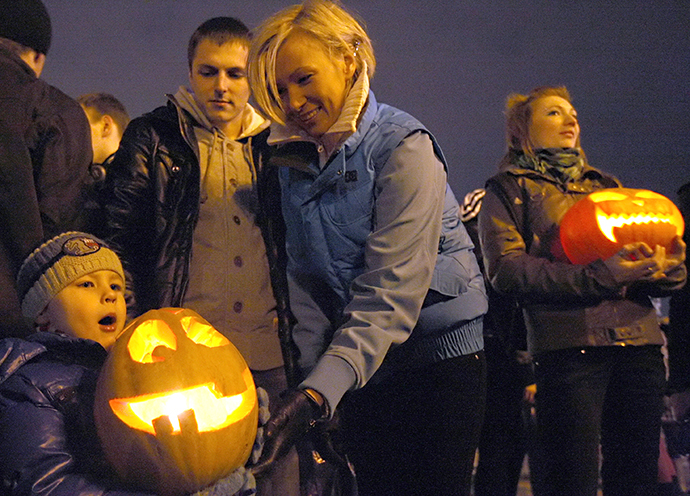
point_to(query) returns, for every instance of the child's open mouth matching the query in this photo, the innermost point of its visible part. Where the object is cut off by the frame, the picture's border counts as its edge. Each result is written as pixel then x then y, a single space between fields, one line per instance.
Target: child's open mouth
pixel 107 323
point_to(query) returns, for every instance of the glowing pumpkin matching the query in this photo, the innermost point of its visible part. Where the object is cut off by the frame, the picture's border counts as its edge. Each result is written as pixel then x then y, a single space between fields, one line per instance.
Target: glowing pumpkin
pixel 603 222
pixel 176 407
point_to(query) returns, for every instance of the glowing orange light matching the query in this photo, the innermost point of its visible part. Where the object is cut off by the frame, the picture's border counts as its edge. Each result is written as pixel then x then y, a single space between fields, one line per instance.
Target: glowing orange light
pixel 608 222
pixel 212 411
pixel 175 407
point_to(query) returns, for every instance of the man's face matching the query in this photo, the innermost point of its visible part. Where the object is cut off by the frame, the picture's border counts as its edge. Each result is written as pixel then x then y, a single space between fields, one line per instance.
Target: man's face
pixel 218 79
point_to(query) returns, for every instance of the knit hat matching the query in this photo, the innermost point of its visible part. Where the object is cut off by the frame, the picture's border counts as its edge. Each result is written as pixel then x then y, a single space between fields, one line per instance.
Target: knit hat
pixel 26 22
pixel 56 264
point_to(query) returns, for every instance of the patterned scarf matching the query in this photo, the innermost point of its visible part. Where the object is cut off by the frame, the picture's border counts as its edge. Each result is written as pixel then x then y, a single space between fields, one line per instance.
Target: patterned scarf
pixel 564 164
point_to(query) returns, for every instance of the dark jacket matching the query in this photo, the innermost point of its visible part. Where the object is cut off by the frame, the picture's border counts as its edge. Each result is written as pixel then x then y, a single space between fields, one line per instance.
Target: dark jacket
pixel 45 152
pixel 565 305
pixel 678 330
pixel 151 198
pixel 48 441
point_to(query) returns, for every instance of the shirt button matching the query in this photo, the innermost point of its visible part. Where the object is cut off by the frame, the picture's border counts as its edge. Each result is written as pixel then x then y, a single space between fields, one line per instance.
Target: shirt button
pixel 237 307
pixel 237 220
pixel 238 261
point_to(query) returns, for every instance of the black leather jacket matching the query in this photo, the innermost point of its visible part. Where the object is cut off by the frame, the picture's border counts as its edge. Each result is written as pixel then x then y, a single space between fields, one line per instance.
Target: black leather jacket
pixel 565 305
pixel 151 199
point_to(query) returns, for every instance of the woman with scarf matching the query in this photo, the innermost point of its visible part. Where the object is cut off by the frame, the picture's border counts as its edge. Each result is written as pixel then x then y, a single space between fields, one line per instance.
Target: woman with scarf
pixel 592 329
pixel 386 291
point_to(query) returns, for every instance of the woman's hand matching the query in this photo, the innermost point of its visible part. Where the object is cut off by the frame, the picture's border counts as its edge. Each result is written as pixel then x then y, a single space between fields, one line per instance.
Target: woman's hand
pixel 294 416
pixel 676 256
pixel 669 260
pixel 636 262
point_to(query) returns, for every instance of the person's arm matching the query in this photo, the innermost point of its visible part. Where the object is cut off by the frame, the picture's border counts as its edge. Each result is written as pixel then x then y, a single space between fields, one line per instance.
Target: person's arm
pixel 400 256
pixel 20 219
pixel 128 201
pixel 35 457
pixel 62 155
pixel 512 270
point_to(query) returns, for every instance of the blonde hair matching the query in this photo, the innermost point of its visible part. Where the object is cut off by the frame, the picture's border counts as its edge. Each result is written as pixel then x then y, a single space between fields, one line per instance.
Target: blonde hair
pixel 328 22
pixel 519 115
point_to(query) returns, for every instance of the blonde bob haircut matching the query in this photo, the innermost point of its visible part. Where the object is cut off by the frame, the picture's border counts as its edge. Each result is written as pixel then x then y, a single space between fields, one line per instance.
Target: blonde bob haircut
pixel 519 116
pixel 328 22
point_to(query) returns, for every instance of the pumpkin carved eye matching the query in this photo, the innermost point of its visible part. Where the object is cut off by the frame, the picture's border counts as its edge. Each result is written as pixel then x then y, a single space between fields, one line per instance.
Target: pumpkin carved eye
pixel 203 334
pixel 149 336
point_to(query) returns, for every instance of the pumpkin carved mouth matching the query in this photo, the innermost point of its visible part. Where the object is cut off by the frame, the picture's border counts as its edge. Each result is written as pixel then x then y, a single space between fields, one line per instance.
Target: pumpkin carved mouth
pixel 211 410
pixel 607 222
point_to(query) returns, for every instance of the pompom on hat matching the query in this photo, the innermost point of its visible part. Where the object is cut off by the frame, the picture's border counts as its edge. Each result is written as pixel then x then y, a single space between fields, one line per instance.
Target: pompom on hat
pixel 26 22
pixel 59 262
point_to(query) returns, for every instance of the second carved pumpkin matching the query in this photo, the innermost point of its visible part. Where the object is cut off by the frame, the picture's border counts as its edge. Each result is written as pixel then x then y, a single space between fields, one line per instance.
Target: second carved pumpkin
pixel 600 224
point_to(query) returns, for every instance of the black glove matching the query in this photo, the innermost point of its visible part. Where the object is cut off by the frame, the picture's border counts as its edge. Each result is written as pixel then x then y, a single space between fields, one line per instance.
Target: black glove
pixel 295 415
pixel 326 437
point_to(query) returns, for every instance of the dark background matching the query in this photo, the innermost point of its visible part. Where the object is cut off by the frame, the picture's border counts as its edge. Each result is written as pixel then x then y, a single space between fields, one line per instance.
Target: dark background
pixel 449 63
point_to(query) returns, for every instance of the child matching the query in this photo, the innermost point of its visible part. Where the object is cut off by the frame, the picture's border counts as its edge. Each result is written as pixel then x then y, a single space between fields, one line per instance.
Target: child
pixel 72 289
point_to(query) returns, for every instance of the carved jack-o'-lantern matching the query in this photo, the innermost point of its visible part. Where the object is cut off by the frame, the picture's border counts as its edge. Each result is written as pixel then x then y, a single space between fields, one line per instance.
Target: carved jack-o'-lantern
pixel 603 222
pixel 176 407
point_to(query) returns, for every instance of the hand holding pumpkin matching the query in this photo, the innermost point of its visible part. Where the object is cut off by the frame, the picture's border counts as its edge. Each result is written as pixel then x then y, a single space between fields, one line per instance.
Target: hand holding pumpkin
pixel 668 259
pixel 634 262
pixel 676 256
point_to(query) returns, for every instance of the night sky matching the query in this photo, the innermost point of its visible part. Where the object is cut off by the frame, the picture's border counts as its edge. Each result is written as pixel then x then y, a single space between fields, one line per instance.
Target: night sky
pixel 450 64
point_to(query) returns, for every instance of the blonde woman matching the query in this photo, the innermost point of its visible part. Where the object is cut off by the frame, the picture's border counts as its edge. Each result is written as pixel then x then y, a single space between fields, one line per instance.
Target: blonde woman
pixel 385 288
pixel 591 329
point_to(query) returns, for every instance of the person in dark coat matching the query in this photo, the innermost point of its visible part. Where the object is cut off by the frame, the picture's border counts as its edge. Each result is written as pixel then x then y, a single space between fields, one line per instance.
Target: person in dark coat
pixel 45 150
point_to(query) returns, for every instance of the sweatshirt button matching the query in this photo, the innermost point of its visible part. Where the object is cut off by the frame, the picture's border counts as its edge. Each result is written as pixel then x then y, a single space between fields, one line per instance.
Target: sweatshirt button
pixel 237 220
pixel 237 307
pixel 238 261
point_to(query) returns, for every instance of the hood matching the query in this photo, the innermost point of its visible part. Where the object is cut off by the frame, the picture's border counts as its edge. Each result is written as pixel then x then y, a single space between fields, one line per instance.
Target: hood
pixel 252 122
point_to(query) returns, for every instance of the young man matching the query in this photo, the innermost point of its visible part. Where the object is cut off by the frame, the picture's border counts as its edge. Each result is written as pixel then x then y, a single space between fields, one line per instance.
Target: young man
pixel 183 210
pixel 72 290
pixel 108 119
pixel 44 150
